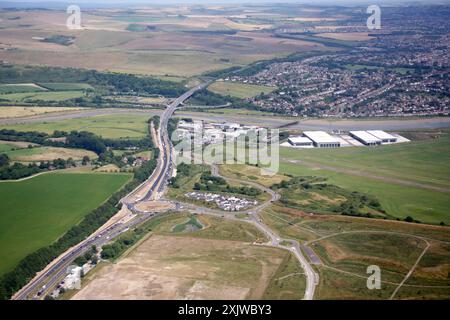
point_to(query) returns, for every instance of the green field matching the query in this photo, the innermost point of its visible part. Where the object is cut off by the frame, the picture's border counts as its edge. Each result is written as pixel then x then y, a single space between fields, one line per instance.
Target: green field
pixel 399 201
pixel 60 86
pixel 35 212
pixel 4 147
pixel 38 154
pixel 239 90
pixel 42 96
pixel 18 88
pixel 211 228
pixel 191 225
pixel 425 161
pixel 108 126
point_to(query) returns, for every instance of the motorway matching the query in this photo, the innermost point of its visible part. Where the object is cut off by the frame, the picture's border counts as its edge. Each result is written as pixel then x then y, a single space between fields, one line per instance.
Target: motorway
pixel 54 272
pixel 157 183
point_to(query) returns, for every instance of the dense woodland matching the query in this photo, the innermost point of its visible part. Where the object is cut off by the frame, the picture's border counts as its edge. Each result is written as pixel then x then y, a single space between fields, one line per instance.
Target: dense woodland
pixel 104 83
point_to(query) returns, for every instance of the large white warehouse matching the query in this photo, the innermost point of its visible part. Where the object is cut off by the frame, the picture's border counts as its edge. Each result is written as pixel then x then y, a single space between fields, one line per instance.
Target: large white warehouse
pixel 365 138
pixel 321 139
pixel 300 142
pixel 383 136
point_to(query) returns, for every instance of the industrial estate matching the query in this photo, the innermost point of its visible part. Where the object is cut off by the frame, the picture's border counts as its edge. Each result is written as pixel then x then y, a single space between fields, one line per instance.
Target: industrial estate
pixel 318 163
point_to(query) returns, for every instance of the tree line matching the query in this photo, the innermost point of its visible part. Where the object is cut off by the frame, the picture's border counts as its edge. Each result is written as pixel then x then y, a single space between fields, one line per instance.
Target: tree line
pixel 19 170
pixel 105 83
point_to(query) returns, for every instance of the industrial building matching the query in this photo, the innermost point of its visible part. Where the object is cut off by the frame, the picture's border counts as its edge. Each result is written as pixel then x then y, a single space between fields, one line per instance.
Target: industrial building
pixel 365 138
pixel 321 139
pixel 357 138
pixel 300 142
pixel 383 136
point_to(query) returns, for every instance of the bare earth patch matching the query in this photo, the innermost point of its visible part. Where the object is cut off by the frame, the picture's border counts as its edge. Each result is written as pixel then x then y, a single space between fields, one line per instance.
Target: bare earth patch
pixel 154 206
pixel 167 267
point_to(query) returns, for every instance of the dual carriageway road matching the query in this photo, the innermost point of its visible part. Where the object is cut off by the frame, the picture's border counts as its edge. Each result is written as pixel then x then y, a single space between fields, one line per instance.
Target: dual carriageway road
pixel 156 185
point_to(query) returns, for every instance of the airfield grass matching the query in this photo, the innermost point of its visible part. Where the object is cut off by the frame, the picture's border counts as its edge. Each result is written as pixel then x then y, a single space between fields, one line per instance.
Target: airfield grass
pixel 425 161
pixel 107 126
pixel 37 211
pixel 239 90
pixel 399 201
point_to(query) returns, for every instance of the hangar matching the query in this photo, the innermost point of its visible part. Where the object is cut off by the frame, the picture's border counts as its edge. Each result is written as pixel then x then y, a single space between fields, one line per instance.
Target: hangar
pixel 366 138
pixel 383 136
pixel 321 139
pixel 300 142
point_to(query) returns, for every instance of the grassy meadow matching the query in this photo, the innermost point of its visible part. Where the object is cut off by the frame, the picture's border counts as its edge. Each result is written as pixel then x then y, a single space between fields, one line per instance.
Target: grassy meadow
pixel 38 154
pixel 424 162
pixel 346 246
pixel 107 126
pixel 35 212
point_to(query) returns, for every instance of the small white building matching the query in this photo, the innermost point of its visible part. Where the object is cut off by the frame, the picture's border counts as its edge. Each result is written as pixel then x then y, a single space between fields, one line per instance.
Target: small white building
pixel 190 126
pixel 321 139
pixel 365 138
pixel 383 136
pixel 230 126
pixel 213 135
pixel 300 141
